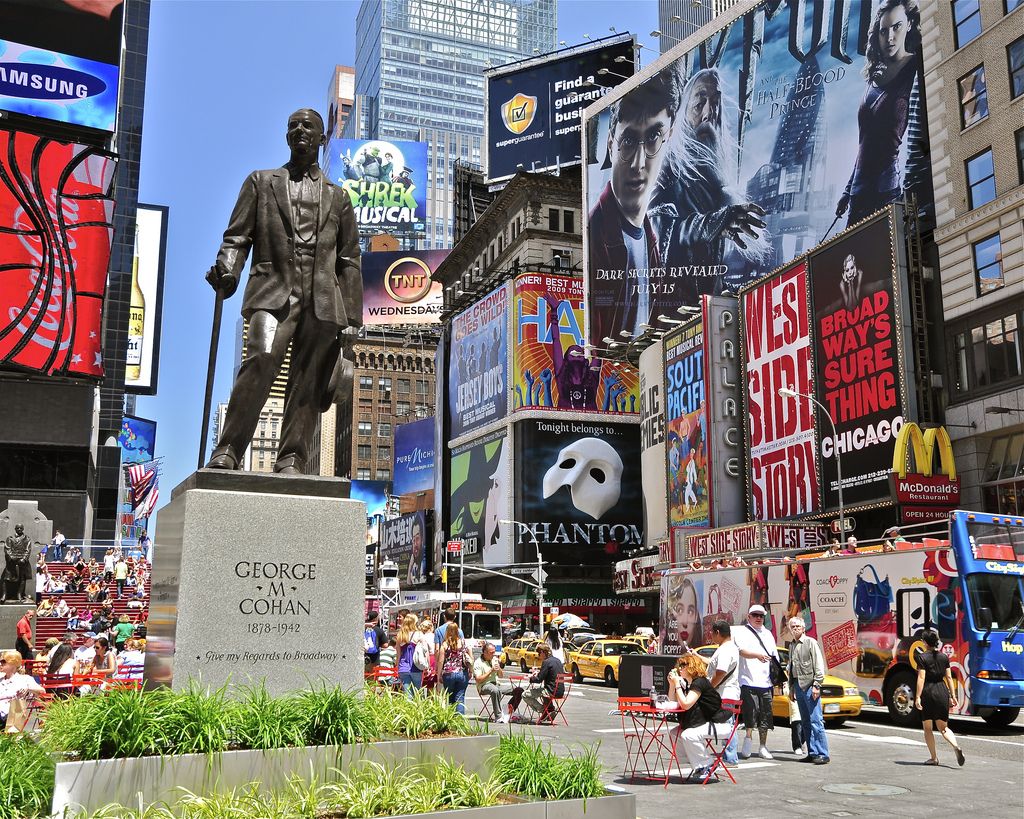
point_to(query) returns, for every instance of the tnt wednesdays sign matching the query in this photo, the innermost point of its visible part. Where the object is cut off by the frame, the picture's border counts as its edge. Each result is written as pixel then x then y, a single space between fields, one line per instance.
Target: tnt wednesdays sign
pixel 857 358
pixel 777 340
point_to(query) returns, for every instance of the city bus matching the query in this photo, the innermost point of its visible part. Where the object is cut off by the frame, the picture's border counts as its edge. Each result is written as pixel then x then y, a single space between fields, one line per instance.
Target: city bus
pixel 479 619
pixel 868 610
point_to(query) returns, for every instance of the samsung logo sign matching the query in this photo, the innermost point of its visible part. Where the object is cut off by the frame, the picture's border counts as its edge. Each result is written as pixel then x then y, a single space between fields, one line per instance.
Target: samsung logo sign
pixel 47 82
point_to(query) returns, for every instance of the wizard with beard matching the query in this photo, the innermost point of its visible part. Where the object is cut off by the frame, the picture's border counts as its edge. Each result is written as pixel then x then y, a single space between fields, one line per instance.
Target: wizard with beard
pixel 701 220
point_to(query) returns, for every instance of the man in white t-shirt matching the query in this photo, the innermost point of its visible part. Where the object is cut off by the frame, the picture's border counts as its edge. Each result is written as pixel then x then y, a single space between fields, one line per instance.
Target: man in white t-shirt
pixel 486 674
pixel 756 644
pixel 85 653
pixel 724 673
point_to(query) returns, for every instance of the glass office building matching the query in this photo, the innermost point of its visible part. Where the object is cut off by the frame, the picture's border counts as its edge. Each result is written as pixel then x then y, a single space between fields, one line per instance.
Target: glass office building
pixel 419 76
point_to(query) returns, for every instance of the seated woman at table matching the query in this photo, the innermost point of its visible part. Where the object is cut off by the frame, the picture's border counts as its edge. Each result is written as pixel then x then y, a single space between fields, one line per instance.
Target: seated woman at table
pixel 700 703
pixel 545 683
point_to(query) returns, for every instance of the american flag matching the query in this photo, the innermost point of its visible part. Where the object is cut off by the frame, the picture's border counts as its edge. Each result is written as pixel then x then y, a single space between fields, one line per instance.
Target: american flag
pixel 143 483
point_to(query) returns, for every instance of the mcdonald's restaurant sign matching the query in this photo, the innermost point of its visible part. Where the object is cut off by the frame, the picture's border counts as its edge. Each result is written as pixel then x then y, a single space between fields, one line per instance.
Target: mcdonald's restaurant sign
pixel 921 494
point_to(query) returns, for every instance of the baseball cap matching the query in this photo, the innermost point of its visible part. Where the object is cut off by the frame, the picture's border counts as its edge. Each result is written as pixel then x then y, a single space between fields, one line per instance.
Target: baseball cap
pixel 755 609
pixel 90 635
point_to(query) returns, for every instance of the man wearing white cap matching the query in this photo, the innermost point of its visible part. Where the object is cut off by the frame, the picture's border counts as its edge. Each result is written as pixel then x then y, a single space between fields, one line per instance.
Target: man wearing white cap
pixel 756 645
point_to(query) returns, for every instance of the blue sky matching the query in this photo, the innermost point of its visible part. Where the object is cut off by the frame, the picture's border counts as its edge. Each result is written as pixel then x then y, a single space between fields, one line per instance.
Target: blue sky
pixel 223 75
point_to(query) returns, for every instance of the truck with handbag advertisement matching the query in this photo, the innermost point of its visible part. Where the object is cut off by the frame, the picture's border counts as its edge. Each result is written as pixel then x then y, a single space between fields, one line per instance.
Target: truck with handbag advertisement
pixel 868 611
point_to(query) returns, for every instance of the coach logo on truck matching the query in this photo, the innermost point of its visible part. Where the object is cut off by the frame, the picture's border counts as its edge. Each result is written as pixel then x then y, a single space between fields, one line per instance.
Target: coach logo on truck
pixel 921 488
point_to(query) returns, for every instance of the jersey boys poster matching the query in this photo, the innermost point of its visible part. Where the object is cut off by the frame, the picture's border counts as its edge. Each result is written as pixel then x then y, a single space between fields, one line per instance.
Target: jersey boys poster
pixel 686 422
pixel 478 367
pixel 551 370
pixel 777 340
pixel 789 123
pixel 55 237
pixel 858 360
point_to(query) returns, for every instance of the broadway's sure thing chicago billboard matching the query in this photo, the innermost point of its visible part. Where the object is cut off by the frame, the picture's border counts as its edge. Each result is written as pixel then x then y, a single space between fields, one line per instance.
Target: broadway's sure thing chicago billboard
pixel 397 288
pixel 781 446
pixel 790 123
pixel 55 235
pixel 858 360
pixel 481 484
pixel 386 180
pixel 414 457
pixel 404 540
pixel 535 106
pixel 652 443
pixel 478 366
pixel 551 370
pixel 147 297
pixel 61 61
pixel 579 489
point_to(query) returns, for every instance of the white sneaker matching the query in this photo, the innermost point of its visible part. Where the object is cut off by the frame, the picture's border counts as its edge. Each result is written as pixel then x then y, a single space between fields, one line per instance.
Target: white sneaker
pixel 745 749
pixel 503 718
pixel 803 749
pixel 764 753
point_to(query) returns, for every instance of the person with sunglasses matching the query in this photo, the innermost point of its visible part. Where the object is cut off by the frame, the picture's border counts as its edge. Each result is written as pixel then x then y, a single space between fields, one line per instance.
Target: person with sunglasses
pixel 756 645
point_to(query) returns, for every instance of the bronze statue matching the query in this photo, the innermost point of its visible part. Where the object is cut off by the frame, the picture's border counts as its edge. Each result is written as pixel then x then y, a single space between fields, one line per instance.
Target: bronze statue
pixel 17 566
pixel 305 286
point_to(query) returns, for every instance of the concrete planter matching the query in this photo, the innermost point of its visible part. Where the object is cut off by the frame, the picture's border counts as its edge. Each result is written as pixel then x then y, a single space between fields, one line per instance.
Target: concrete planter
pixel 92 784
pixel 610 806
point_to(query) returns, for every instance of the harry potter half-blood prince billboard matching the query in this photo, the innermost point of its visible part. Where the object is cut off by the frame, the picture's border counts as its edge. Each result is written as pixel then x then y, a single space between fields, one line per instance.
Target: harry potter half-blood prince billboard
pixel 787 125
pixel 386 180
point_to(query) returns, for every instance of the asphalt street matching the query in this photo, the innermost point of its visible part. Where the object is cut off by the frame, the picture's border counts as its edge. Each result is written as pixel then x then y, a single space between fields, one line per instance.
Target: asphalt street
pixel 876 769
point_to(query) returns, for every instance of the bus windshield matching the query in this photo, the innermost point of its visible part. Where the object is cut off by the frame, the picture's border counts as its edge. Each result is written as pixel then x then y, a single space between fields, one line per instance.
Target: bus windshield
pixel 1000 594
pixel 485 625
pixel 996 541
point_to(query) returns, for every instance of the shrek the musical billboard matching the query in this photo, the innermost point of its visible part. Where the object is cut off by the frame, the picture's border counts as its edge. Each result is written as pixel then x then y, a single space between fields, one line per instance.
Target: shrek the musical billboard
pixel 788 124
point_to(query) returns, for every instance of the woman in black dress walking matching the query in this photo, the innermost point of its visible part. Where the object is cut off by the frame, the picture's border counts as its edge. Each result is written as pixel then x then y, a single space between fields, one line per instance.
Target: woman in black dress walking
pixel 934 694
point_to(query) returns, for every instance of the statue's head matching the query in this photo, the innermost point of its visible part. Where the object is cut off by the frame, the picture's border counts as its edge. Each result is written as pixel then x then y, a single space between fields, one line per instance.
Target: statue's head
pixel 19 529
pixel 305 134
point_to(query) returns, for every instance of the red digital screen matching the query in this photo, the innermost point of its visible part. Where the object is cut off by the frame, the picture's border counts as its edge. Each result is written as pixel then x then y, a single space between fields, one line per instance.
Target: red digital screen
pixel 56 229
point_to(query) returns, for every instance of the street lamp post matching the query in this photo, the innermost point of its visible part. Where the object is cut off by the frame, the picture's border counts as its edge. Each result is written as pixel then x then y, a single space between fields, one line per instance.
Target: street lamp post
pixel 789 392
pixel 540 570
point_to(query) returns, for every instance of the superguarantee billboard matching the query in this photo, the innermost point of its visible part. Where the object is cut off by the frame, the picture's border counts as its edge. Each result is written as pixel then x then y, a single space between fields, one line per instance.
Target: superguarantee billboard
pixel 386 180
pixel 535 107
pixel 788 123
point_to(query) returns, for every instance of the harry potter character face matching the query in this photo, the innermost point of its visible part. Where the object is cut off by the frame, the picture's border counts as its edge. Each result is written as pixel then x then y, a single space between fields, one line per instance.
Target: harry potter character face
pixel 637 156
pixel 893 26
pixel 704 107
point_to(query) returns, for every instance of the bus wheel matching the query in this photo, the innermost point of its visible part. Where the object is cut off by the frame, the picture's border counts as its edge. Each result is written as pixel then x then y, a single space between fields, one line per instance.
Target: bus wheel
pixel 609 676
pixel 899 699
pixel 999 717
pixel 576 676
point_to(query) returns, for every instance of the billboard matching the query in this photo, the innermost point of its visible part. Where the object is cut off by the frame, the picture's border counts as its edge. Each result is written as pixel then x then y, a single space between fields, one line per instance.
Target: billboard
pixel 578 489
pixel 414 457
pixel 478 366
pixel 387 182
pixel 652 443
pixel 55 237
pixel 61 61
pixel 687 445
pixel 858 360
pixel 550 370
pixel 404 541
pixel 753 147
pixel 535 107
pixel 375 495
pixel 481 485
pixel 397 288
pixel 781 447
pixel 147 297
pixel 137 440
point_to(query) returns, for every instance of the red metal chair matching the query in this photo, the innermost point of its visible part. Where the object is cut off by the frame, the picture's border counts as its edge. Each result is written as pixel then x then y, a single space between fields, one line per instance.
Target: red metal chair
pixel 553 706
pixel 712 739
pixel 635 748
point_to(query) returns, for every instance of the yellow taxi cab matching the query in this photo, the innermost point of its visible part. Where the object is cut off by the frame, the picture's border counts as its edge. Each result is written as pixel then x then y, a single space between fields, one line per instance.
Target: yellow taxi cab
pixel 642 640
pixel 521 652
pixel 599 659
pixel 840 699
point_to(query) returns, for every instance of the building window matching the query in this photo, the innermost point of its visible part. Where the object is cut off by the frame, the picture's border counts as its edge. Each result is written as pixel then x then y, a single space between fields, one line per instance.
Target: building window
pixel 973 97
pixel 363 452
pixel 362 474
pixel 402 408
pixel 1019 135
pixel 981 179
pixel 383 474
pixel 384 430
pixel 422 410
pixel 421 389
pixel 988 264
pixel 966 20
pixel 384 386
pixel 366 382
pixel 365 428
pixel 1013 5
pixel 384 454
pixel 568 221
pixel 1002 489
pixel 404 384
pixel 988 353
pixel 553 219
pixel 1015 59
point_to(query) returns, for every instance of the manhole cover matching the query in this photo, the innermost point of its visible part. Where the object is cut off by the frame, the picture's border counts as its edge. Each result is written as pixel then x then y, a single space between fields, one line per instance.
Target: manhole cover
pixel 864 789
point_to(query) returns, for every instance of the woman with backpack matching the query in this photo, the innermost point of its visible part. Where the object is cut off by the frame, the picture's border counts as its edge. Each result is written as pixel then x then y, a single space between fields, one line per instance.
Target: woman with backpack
pixel 452 661
pixel 407 641
pixel 700 703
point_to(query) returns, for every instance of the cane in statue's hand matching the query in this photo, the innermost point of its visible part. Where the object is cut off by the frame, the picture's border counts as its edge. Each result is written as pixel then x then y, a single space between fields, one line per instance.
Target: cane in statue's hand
pixel 223 284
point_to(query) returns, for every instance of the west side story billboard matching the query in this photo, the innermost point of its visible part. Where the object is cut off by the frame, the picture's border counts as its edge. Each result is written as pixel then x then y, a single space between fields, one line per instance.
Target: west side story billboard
pixel 478 364
pixel 61 61
pixel 747 151
pixel 142 357
pixel 535 106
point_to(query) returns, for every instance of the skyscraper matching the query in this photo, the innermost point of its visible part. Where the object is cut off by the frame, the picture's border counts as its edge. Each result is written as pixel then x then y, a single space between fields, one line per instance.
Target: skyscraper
pixel 678 19
pixel 419 76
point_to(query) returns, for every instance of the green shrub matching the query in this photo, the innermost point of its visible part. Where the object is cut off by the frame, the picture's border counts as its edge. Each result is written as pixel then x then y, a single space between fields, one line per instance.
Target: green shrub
pixel 26 778
pixel 262 722
pixel 523 766
pixel 332 716
pixel 119 723
pixel 195 720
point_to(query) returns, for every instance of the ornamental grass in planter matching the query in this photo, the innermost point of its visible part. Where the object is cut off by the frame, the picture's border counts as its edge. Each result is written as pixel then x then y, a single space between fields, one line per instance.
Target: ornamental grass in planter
pixel 26 778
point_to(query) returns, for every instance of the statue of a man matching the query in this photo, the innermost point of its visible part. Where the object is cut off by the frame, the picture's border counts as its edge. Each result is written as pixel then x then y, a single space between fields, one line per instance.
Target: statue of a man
pixel 304 286
pixel 17 565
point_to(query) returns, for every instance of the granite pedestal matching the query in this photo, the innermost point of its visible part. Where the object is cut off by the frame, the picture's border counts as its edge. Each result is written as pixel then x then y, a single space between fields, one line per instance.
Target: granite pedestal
pixel 257 577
